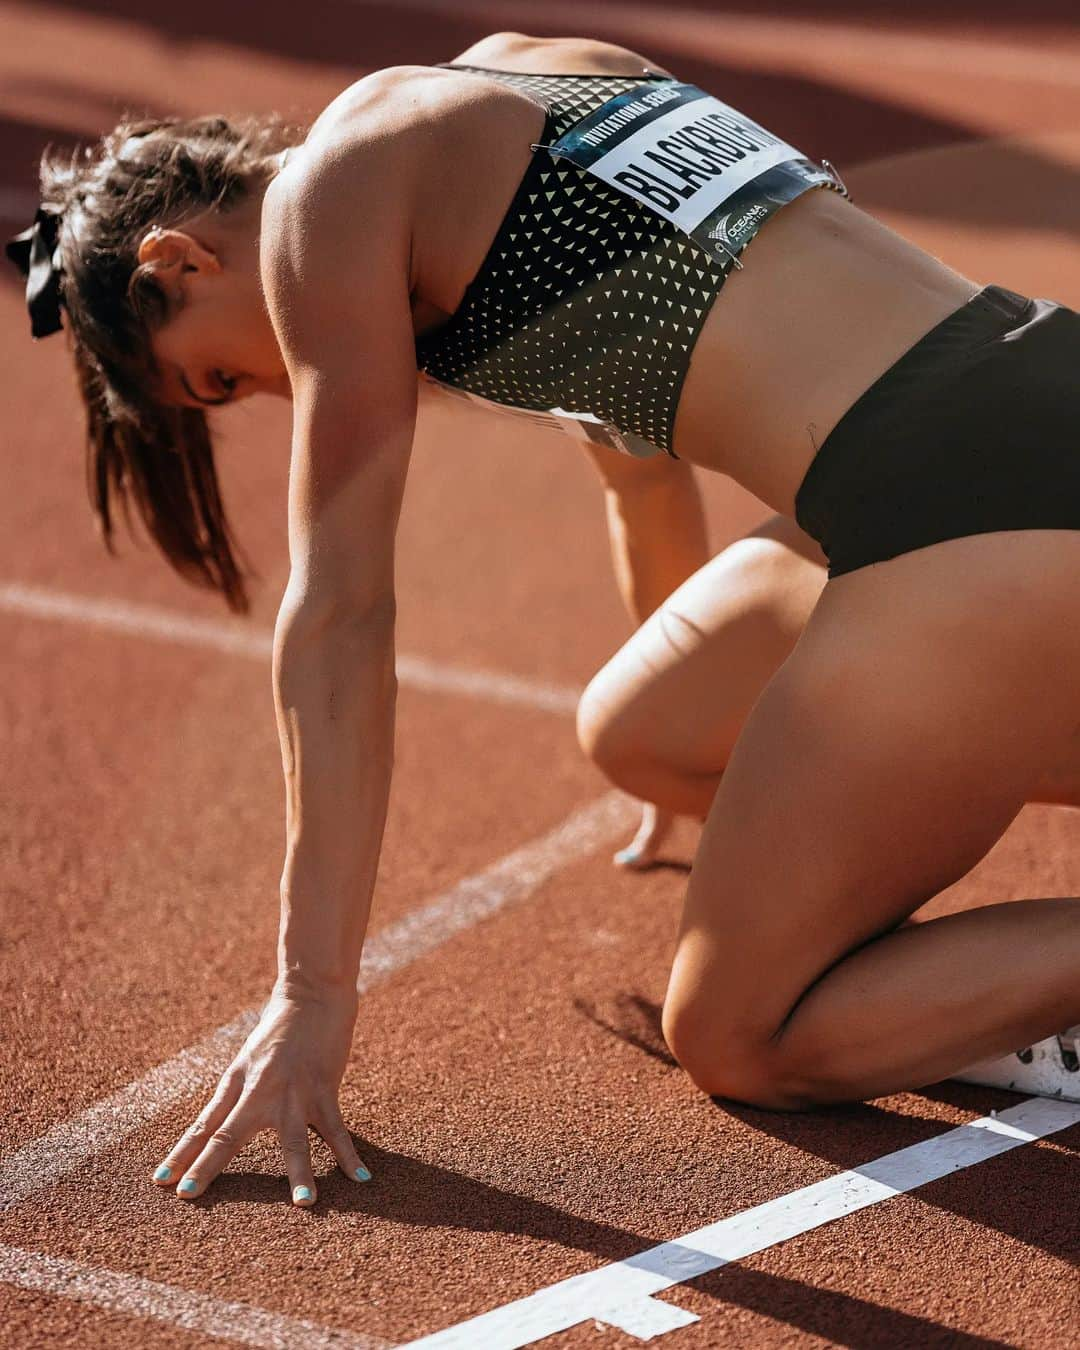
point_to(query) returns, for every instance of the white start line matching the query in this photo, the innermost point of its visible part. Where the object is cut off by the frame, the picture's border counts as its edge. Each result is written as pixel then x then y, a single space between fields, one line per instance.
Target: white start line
pixel 621 1295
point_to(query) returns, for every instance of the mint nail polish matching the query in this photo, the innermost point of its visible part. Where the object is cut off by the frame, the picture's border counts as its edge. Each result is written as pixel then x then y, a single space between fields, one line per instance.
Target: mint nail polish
pixel 186 1187
pixel 362 1174
pixel 302 1193
pixel 163 1173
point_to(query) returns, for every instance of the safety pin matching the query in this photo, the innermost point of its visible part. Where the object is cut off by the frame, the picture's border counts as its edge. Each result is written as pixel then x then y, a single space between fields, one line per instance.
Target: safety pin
pixel 835 176
pixel 731 255
pixel 720 244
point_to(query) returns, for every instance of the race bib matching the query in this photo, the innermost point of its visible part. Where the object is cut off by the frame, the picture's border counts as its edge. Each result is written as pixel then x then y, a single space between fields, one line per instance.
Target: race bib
pixel 708 168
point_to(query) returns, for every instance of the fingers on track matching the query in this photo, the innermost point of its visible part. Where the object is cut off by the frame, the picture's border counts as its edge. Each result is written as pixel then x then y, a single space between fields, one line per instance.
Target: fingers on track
pixel 296 1150
pixel 226 1124
pixel 193 1144
pixel 220 1146
pixel 332 1129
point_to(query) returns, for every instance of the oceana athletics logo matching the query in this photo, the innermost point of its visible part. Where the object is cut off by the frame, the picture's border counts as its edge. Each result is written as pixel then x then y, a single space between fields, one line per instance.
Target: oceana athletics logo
pixel 741 225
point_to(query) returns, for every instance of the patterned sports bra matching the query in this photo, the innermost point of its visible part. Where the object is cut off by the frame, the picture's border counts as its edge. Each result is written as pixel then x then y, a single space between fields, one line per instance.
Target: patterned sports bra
pixel 588 302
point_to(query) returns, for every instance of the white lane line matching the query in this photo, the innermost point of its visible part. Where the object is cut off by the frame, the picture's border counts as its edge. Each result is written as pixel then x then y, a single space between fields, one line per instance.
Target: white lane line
pixel 620 1295
pixel 69 1144
pixel 149 621
pixel 120 616
pixel 512 878
pixel 220 1318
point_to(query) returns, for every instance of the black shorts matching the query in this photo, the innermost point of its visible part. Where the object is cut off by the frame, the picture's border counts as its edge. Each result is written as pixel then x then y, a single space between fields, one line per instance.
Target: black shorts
pixel 975 428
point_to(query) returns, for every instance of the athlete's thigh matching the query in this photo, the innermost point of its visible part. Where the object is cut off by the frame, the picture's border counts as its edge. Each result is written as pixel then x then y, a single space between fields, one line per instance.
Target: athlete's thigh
pixel 680 688
pixel 882 761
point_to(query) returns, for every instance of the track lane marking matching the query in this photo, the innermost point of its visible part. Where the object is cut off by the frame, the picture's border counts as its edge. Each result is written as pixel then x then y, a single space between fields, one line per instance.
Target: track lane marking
pixel 620 1295
pixel 220 1318
pixel 151 621
pixel 69 1144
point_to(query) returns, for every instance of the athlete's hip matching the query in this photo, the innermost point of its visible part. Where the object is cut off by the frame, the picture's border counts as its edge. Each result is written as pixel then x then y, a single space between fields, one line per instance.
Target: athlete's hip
pixel 973 429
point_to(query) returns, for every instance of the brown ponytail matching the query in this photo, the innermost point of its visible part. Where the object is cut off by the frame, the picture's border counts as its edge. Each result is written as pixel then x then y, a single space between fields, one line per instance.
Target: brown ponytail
pixel 150 172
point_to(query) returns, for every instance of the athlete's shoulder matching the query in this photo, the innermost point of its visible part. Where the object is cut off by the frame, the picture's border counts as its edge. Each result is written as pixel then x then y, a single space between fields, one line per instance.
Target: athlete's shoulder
pixel 358 151
pixel 385 104
pixel 336 227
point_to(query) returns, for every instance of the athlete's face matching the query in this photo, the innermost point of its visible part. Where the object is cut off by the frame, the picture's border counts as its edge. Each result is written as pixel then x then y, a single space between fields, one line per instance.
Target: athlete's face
pixel 219 345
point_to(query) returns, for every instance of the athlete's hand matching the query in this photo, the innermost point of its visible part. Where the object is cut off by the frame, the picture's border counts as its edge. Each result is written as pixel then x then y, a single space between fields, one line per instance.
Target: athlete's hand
pixel 285 1077
pixel 653 830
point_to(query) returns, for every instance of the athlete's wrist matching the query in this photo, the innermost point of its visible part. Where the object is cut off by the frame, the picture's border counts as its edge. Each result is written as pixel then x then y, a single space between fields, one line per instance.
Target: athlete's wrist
pixel 307 984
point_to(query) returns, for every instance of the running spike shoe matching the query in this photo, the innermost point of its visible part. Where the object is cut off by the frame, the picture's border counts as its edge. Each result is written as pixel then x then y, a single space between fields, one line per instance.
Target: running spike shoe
pixel 1050 1068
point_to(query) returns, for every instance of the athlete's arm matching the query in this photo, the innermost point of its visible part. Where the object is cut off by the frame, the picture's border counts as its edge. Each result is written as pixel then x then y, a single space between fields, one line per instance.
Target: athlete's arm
pixel 340 301
pixel 656 525
pixel 341 313
pixel 656 528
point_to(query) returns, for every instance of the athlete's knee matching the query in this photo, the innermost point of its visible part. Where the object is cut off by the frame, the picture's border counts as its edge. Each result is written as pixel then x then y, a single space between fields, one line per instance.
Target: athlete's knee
pixel 595 719
pixel 765 565
pixel 605 721
pixel 740 1063
pixel 747 1074
pixel 625 714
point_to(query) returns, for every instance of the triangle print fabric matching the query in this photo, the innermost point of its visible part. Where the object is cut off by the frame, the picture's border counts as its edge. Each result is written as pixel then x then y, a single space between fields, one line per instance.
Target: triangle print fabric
pixel 588 301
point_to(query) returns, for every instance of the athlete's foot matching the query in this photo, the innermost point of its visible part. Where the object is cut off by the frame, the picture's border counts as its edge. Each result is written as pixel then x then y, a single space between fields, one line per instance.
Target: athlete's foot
pixel 1050 1068
pixel 653 830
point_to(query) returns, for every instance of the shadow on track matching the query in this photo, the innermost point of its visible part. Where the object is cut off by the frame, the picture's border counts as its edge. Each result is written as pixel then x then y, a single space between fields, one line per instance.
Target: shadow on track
pixel 1007 1194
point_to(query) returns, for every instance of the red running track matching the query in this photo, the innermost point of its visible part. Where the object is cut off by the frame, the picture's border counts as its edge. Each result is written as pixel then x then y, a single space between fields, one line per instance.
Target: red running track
pixel 509 1086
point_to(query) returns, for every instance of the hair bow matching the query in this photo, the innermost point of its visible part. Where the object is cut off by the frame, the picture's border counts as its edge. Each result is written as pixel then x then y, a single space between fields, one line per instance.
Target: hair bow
pixel 35 254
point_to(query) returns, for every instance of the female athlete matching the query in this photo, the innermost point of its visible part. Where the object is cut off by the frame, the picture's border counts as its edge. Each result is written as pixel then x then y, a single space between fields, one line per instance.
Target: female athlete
pixel 856 699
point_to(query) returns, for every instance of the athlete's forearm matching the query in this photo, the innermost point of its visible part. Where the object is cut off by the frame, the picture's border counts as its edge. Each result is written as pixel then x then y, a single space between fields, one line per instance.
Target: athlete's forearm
pixel 335 694
pixel 658 537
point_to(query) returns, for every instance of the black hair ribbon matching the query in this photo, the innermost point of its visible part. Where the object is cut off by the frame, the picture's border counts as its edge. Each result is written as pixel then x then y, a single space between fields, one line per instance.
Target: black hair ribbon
pixel 34 253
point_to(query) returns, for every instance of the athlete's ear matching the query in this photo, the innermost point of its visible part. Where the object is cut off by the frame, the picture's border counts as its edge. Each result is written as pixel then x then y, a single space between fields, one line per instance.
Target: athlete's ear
pixel 175 252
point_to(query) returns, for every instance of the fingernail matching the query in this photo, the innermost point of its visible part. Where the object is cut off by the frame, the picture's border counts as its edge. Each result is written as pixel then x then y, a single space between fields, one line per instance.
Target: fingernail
pixel 301 1193
pixel 362 1174
pixel 163 1173
pixel 627 855
pixel 187 1186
